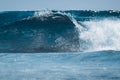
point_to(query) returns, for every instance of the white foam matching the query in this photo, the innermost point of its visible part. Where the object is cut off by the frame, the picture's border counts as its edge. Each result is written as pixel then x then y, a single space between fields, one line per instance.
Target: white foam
pixel 42 13
pixel 102 34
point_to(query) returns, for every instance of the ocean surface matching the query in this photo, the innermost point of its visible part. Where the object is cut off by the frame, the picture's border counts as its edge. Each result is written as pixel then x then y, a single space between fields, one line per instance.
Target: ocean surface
pixel 60 45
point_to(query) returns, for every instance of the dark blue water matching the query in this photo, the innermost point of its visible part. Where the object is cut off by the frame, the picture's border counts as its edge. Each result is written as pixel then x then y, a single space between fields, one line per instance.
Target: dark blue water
pixel 60 45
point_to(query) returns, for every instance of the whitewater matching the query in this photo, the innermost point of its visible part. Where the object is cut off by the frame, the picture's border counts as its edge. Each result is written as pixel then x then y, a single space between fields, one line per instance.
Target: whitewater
pixel 60 45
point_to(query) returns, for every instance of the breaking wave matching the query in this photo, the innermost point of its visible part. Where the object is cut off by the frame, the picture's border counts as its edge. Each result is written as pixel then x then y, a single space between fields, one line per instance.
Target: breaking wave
pixel 101 34
pixel 59 31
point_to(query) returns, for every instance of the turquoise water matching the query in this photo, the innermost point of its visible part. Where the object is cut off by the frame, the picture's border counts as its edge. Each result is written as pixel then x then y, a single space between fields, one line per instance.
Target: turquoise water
pixel 102 65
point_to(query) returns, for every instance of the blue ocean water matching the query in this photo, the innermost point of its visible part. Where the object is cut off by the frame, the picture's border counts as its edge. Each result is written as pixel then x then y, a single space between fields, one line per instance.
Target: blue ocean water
pixel 103 65
pixel 60 45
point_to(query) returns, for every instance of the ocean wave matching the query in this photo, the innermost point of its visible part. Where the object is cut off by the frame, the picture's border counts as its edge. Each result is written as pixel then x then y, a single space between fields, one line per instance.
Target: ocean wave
pixel 59 31
pixel 52 32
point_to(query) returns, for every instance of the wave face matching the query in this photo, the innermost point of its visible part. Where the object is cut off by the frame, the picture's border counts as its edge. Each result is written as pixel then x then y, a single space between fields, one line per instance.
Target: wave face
pixel 59 31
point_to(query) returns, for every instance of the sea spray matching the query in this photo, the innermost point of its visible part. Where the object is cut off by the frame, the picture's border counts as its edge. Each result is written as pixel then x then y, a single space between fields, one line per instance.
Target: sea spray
pixel 59 31
pixel 102 34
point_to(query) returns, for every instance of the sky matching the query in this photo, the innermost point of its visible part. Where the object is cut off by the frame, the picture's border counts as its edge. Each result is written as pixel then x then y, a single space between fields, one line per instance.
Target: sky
pixel 13 5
